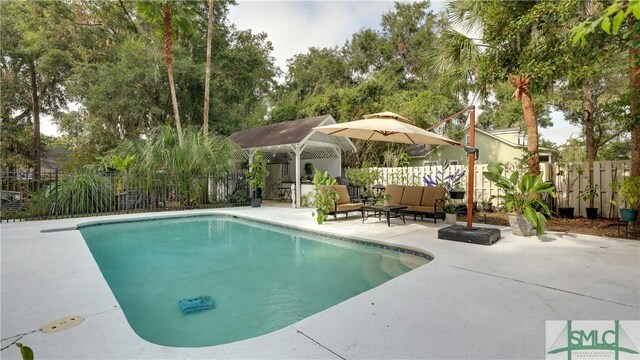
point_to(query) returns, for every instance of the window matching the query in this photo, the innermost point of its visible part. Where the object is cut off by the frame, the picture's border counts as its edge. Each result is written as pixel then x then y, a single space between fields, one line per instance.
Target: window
pixel 429 163
pixel 544 158
pixel 454 162
pixel 467 140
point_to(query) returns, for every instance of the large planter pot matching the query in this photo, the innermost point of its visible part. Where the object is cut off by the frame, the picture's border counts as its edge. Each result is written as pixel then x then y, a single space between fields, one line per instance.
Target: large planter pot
pixel 450 218
pixel 592 213
pixel 456 194
pixel 628 214
pixel 566 212
pixel 256 202
pixel 520 225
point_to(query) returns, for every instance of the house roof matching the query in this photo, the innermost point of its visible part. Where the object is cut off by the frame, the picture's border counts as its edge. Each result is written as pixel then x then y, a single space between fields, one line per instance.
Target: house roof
pixel 55 158
pixel 424 152
pixel 287 133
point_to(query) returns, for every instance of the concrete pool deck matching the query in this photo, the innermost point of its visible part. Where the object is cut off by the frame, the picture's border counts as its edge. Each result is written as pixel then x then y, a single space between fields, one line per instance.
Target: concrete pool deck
pixel 470 302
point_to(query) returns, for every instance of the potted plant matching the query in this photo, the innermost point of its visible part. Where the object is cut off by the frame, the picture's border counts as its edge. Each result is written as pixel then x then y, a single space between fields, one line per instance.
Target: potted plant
pixel 364 179
pixel 452 182
pixel 521 199
pixel 256 178
pixel 487 206
pixel 325 197
pixel 565 208
pixel 451 210
pixel 589 194
pixel 630 194
pixel 384 199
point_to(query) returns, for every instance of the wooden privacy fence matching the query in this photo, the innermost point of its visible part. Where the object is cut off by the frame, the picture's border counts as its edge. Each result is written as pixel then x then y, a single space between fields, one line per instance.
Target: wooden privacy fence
pixel 569 180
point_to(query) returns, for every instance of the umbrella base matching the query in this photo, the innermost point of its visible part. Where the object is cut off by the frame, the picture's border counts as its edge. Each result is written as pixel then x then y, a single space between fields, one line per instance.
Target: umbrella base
pixel 482 236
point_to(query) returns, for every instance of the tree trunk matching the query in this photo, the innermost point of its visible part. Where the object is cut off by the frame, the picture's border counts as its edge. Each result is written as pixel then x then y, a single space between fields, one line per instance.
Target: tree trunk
pixel 634 84
pixel 169 60
pixel 35 104
pixel 207 76
pixel 533 158
pixel 587 107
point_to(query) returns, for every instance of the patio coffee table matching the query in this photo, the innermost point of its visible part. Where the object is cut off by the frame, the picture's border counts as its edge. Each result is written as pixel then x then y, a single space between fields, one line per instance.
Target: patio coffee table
pixel 390 211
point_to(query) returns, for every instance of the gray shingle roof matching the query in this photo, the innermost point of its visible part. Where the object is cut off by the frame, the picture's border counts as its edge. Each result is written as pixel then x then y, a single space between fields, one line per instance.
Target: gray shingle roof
pixel 290 132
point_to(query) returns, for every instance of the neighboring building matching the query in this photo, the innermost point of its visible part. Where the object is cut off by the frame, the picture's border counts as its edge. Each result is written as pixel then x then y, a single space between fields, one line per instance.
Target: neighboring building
pixel 504 145
pixel 56 158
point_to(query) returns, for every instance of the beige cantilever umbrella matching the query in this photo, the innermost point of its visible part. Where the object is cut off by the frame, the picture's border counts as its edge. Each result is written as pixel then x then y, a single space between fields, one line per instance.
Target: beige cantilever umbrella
pixel 386 126
pixel 391 127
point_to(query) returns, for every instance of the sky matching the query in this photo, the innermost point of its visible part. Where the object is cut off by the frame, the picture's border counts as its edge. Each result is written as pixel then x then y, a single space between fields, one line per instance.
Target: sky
pixel 294 26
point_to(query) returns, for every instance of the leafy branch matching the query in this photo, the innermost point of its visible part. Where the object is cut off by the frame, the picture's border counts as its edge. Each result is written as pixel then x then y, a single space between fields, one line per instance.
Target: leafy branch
pixel 610 21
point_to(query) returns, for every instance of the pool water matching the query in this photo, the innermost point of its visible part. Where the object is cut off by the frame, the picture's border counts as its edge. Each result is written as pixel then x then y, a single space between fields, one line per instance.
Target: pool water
pixel 261 277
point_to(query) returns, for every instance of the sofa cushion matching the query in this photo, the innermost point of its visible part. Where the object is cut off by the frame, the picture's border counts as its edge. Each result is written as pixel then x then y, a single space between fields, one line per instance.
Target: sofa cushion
pixel 396 193
pixel 412 195
pixel 424 209
pixel 343 194
pixel 431 193
pixel 348 207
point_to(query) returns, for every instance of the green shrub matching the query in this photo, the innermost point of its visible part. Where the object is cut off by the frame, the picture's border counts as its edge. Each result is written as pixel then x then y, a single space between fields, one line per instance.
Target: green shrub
pixel 80 194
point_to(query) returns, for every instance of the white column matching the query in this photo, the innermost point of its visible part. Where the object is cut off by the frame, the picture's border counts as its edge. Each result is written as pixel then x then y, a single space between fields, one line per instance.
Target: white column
pixel 298 151
pixel 339 162
pixel 250 153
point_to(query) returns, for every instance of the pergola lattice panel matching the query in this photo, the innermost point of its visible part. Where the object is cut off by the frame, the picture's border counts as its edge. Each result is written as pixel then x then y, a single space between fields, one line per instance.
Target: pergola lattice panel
pixel 318 154
pixel 322 137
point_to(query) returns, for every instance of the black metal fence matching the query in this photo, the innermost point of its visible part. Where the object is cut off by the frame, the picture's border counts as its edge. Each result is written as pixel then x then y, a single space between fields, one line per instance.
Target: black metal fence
pixel 54 195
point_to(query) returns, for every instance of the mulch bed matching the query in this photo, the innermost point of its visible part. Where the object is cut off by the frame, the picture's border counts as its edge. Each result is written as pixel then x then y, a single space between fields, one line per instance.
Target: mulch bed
pixel 598 227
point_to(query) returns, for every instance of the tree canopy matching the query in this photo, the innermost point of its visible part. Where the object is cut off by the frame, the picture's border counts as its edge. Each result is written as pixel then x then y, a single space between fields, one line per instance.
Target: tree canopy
pixel 101 70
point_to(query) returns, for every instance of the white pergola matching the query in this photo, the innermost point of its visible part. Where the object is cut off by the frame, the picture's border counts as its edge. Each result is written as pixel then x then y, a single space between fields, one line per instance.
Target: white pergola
pixel 294 140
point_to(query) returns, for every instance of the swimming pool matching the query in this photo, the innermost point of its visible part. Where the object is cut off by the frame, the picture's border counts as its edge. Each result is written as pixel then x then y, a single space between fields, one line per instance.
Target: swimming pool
pixel 261 277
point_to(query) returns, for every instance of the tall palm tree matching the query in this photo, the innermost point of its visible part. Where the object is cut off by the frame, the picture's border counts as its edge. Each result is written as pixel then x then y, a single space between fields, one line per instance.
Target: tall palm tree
pixel 207 78
pixel 474 15
pixel 170 13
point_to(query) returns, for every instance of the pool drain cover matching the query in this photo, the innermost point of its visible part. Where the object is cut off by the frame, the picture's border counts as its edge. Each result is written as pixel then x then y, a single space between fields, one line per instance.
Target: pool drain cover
pixel 62 324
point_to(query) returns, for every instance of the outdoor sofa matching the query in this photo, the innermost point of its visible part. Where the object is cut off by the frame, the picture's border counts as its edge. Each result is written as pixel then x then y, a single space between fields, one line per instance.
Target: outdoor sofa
pixel 419 200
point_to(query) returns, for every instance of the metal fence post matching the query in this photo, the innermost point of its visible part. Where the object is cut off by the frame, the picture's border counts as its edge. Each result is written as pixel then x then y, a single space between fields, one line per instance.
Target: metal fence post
pixel 55 212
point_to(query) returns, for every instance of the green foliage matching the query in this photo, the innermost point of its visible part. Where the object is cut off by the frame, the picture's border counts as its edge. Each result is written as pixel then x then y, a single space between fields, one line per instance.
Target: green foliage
pixel 25 352
pixel 629 192
pixel 363 177
pixel 521 195
pixel 37 56
pixel 239 196
pixel 123 164
pixel 589 194
pixel 503 111
pixel 615 150
pixel 569 181
pixel 611 20
pixel 374 71
pixel 257 173
pixel 451 207
pixel 183 166
pixel 88 193
pixel 325 197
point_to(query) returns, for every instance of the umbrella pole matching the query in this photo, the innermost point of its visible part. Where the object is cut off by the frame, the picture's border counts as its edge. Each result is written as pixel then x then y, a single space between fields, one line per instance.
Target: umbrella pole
pixel 471 173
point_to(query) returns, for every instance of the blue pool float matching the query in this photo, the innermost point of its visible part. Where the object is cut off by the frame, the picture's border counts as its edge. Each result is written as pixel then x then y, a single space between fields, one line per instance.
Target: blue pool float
pixel 199 303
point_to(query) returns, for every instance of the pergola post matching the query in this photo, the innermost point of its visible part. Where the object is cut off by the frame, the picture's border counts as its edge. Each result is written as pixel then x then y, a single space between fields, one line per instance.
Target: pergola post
pixel 250 153
pixel 339 162
pixel 297 151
